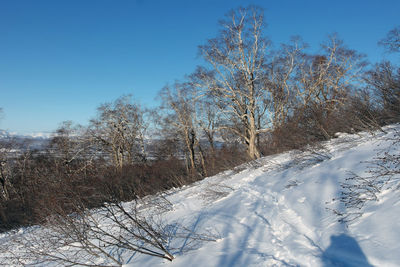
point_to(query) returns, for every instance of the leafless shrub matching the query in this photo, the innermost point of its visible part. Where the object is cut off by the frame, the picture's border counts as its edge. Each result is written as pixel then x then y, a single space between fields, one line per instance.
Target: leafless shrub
pixel 312 154
pixel 215 191
pixel 292 183
pixel 106 236
pixel 383 172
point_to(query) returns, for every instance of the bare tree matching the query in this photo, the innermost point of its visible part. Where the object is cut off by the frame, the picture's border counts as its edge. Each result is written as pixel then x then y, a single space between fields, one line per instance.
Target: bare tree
pixel 327 79
pixel 237 57
pixel 392 40
pixel 69 148
pixel 208 120
pixel 385 82
pixel 119 131
pixel 5 170
pixel 180 104
pixel 384 79
pixel 281 81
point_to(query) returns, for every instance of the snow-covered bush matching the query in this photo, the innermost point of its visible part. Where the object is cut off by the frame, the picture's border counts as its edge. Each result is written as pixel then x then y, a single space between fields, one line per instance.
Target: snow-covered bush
pixel 383 172
pixel 107 236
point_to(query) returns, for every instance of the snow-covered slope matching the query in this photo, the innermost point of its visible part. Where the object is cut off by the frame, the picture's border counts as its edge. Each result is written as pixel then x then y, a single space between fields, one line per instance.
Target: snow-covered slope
pixel 277 211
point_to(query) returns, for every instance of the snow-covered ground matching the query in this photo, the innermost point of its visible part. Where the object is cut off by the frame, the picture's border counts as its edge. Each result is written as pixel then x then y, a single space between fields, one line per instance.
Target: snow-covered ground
pixel 277 211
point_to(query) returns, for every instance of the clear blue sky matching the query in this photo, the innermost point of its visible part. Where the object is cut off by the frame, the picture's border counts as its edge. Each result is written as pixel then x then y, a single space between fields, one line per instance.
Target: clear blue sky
pixel 60 59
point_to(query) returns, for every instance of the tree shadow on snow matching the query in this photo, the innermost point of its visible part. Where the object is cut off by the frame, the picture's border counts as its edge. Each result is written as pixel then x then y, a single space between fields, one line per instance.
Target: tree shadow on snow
pixel 344 251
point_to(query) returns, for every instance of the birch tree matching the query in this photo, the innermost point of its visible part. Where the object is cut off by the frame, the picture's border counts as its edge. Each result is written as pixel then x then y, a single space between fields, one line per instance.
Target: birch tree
pixel 119 131
pixel 385 78
pixel 208 116
pixel 70 149
pixel 179 103
pixel 392 40
pixel 237 57
pixel 281 81
pixel 327 79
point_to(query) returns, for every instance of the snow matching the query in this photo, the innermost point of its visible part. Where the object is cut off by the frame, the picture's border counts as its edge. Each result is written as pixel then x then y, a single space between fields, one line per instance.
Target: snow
pixel 29 135
pixel 277 211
